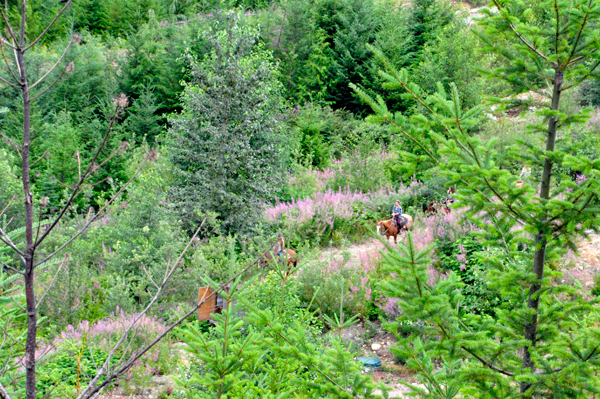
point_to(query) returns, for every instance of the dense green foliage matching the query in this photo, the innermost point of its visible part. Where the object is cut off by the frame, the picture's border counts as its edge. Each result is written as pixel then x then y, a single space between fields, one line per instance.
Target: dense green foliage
pixel 245 120
pixel 544 326
pixel 225 144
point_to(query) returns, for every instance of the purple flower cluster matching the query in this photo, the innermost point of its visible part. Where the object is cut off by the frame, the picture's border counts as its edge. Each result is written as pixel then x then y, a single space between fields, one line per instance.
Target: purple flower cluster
pixel 328 209
pixel 581 179
pixel 110 329
pixel 322 209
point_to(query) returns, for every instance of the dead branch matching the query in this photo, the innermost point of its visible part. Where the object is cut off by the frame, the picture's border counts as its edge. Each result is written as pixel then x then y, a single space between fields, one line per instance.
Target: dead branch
pixel 49 71
pixel 11 268
pixel 10 31
pixel 9 83
pixel 2 41
pixel 65 70
pixel 86 174
pixel 9 204
pixel 51 283
pixel 3 392
pixel 46 155
pixel 61 12
pixel 168 274
pixel 12 143
pixel 6 239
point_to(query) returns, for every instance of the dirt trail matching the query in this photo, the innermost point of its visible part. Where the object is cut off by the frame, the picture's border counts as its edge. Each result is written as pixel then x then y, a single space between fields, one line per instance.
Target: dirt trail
pixel 586 264
pixel 353 252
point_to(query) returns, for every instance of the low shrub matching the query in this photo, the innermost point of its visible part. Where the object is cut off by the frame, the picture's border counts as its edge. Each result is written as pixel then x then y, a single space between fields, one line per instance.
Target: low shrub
pixel 73 356
pixel 460 257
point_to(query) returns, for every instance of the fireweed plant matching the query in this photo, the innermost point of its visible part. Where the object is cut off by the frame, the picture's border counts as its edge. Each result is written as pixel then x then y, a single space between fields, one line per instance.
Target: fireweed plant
pixel 547 343
pixel 336 215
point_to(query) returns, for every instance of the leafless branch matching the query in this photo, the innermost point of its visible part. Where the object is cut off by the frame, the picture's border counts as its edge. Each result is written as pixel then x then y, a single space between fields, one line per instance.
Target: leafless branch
pixel 92 388
pixel 23 19
pixel 6 239
pixel 150 277
pixel 51 283
pixel 67 4
pixel 9 204
pixel 168 273
pixel 9 83
pixel 12 143
pixel 3 392
pixel 2 41
pixel 44 155
pixel 88 171
pixel 94 218
pixel 49 71
pixel 52 84
pixel 9 267
pixel 78 163
pixel 17 304
pixel 10 31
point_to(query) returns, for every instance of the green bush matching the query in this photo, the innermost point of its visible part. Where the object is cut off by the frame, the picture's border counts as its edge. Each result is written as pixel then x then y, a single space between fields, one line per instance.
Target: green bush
pixel 461 257
pixel 67 369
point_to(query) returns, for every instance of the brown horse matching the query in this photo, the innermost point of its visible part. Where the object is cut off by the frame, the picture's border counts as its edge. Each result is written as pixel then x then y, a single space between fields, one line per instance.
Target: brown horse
pixel 431 208
pixel 387 228
pixel 278 252
pixel 287 257
pixel 434 207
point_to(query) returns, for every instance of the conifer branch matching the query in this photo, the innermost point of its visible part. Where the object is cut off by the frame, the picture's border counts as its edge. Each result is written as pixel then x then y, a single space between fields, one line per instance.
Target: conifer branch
pixel 584 77
pixel 519 36
pixel 486 363
pixel 583 23
pixel 314 367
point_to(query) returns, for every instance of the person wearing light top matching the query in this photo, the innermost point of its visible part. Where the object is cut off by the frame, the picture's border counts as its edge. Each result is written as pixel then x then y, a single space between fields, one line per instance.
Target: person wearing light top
pixel 397 214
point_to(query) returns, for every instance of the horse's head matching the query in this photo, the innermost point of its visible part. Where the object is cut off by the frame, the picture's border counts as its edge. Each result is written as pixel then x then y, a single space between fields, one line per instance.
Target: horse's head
pixel 381 228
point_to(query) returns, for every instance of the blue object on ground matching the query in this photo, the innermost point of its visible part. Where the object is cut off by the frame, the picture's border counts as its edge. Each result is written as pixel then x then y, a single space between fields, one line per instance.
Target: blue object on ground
pixel 370 361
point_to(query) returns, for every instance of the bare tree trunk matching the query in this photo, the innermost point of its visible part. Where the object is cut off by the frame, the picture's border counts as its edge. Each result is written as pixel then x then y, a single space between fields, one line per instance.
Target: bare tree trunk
pixel 539 257
pixel 29 251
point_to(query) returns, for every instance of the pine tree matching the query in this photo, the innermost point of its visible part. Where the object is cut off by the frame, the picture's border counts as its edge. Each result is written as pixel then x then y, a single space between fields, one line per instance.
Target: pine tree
pixel 544 340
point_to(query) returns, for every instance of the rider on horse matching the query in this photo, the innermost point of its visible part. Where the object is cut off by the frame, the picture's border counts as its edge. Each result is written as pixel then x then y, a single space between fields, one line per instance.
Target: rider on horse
pixel 449 198
pixel 397 218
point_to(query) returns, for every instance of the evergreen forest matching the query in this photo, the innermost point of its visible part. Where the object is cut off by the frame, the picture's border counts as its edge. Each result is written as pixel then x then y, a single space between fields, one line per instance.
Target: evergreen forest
pixel 299 199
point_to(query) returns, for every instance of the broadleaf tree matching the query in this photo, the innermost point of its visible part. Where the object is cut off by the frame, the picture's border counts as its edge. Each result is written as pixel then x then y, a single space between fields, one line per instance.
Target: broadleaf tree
pixel 226 144
pixel 543 341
